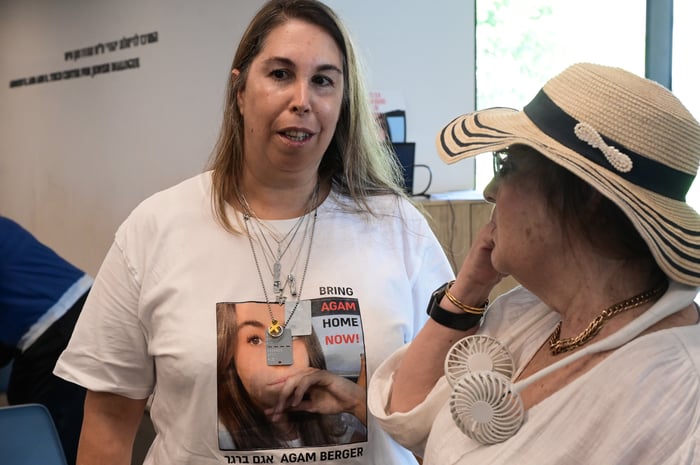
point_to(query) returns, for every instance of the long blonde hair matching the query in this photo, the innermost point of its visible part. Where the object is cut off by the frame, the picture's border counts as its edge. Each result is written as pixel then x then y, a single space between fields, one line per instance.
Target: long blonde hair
pixel 357 162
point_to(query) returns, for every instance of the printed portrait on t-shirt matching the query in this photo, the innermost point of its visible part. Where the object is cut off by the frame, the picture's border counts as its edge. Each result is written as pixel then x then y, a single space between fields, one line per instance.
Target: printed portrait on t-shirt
pixel 290 375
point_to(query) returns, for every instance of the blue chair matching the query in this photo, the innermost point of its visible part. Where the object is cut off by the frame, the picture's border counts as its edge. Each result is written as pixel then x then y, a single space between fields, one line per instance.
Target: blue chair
pixel 28 436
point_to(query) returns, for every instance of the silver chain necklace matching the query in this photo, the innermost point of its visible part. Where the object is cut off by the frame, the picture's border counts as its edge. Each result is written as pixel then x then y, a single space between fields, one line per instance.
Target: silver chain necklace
pixel 276 328
pixel 275 258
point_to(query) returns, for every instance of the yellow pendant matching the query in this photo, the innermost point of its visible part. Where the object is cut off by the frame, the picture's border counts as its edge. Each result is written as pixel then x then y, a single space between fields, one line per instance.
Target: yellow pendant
pixel 275 328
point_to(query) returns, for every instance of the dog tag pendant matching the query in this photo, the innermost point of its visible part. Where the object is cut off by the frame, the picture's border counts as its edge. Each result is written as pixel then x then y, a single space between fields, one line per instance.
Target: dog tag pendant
pixel 279 349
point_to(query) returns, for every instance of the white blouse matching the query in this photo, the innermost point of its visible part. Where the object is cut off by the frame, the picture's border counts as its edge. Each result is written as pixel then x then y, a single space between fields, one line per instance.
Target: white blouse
pixel 639 406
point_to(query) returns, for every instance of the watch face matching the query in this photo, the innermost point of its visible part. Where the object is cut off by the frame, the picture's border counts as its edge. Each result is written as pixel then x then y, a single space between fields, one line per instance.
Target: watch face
pixel 439 293
pixel 441 290
pixel 436 297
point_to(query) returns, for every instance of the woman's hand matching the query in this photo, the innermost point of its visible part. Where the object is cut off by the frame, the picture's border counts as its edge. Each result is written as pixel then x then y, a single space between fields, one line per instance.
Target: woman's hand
pixel 320 391
pixel 477 276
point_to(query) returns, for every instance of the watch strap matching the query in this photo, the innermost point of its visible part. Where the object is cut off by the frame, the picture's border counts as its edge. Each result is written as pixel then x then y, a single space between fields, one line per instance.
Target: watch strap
pixel 458 321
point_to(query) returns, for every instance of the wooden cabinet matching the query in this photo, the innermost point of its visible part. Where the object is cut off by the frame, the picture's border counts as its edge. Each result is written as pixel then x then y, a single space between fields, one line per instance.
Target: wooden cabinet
pixel 455 218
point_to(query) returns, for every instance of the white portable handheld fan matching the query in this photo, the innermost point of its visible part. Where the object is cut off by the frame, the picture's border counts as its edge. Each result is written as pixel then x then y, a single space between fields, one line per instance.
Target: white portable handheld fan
pixel 477 353
pixel 485 403
pixel 479 369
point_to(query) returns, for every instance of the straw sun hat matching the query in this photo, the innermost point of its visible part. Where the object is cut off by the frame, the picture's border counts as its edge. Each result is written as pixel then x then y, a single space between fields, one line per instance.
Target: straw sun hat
pixel 628 137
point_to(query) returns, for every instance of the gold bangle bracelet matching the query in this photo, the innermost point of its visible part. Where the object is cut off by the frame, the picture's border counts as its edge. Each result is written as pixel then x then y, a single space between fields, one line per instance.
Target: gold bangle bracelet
pixel 464 307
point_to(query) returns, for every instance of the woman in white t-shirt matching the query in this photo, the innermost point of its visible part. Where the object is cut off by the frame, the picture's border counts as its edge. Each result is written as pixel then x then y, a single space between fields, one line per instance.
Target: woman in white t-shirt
pixel 303 209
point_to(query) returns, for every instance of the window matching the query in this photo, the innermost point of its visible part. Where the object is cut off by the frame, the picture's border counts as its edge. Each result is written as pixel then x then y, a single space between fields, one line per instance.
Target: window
pixel 522 43
pixel 684 77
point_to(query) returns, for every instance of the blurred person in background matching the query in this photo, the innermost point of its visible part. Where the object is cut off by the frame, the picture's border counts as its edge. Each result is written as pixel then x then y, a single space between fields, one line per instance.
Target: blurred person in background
pixel 41 296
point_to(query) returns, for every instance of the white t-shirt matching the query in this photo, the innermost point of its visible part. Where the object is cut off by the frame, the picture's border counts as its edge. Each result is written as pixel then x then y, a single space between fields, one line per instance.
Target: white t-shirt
pixel 639 406
pixel 149 326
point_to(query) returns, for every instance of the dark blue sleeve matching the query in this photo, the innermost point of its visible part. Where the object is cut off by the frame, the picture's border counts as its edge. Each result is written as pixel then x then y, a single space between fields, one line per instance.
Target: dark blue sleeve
pixel 32 279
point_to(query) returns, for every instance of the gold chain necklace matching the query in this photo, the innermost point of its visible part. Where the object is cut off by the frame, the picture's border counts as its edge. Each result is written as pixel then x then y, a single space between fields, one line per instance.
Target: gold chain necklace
pixel 558 346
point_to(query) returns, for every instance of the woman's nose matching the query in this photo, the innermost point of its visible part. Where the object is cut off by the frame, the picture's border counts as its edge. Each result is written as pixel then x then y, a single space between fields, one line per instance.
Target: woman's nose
pixel 301 99
pixel 491 189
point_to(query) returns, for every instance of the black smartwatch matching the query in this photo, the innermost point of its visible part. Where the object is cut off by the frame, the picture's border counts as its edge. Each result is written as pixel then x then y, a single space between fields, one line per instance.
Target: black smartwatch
pixel 459 321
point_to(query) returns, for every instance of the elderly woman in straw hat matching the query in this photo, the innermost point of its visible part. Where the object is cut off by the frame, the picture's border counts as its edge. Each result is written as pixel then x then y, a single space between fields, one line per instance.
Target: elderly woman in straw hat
pixel 596 357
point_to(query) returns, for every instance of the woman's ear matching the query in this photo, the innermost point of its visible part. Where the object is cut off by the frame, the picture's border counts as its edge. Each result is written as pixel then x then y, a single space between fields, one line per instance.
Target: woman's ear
pixel 236 74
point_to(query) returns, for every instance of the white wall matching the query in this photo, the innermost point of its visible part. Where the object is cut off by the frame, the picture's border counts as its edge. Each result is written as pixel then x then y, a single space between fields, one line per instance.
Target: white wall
pixel 76 155
pixel 425 52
